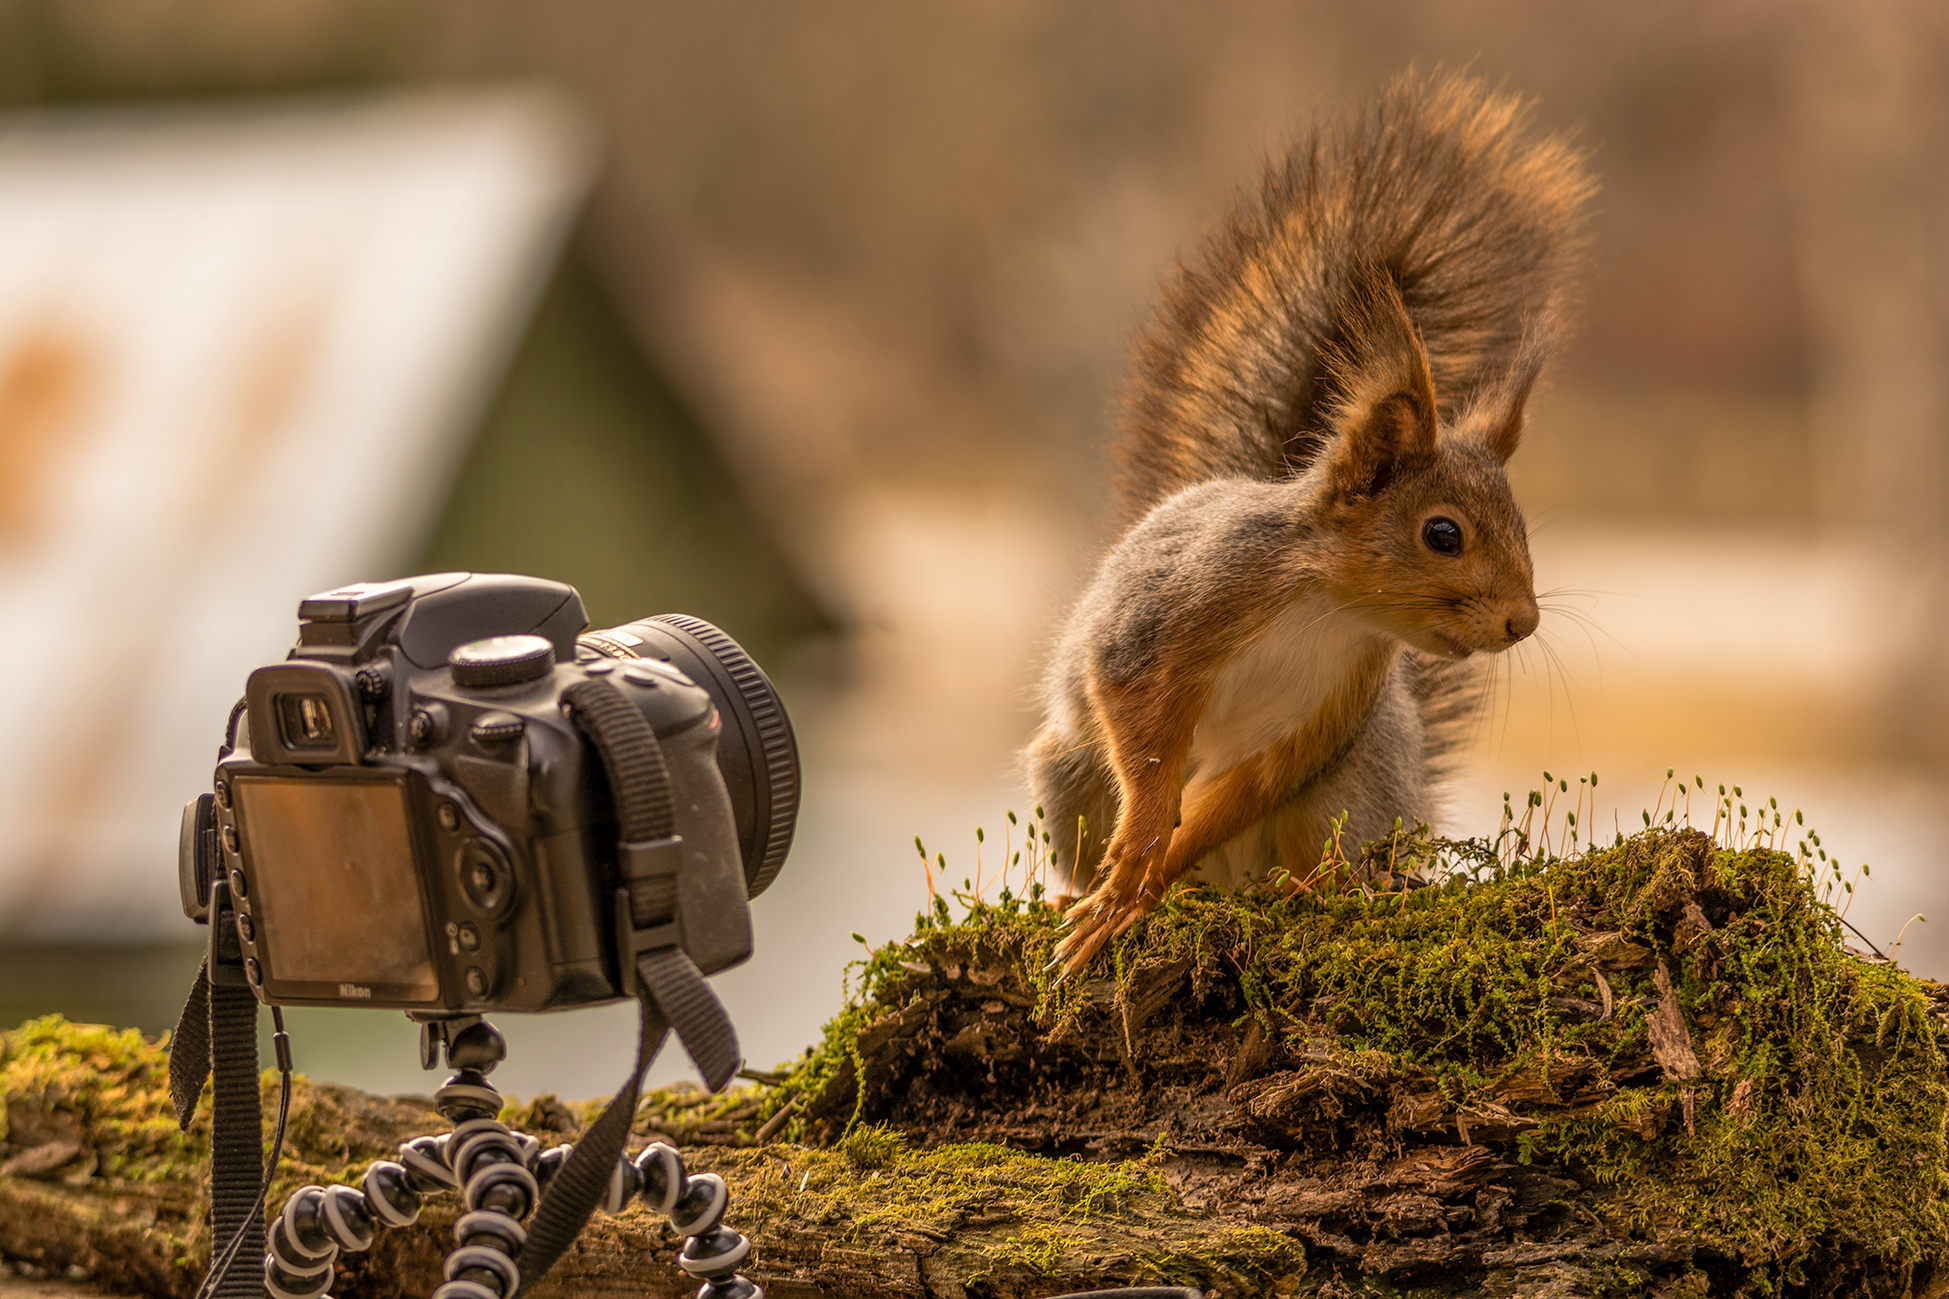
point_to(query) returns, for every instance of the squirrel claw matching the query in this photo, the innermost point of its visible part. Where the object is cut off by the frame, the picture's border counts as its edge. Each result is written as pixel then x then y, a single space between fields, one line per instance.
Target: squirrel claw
pixel 1079 949
pixel 1105 919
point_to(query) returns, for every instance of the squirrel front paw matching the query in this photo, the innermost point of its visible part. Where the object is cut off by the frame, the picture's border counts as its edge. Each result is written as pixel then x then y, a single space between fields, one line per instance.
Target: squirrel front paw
pixel 1125 891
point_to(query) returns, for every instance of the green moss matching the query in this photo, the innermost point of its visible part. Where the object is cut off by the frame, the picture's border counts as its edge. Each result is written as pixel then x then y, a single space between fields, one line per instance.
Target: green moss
pixel 103 1088
pixel 105 1092
pixel 873 1147
pixel 996 1208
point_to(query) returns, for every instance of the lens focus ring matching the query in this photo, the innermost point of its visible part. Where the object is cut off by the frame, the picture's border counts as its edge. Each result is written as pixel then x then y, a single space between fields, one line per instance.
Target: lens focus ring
pixel 779 757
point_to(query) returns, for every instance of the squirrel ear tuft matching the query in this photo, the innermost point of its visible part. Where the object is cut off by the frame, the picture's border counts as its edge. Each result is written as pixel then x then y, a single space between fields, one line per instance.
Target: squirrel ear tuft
pixel 1496 416
pixel 1384 408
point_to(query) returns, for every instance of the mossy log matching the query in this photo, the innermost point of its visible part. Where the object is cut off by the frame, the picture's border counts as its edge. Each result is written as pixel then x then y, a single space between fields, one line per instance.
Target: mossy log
pixel 97 1182
pixel 1653 1068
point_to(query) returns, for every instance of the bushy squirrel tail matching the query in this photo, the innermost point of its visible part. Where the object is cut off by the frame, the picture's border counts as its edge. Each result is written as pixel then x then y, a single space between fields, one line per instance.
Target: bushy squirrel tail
pixel 1435 183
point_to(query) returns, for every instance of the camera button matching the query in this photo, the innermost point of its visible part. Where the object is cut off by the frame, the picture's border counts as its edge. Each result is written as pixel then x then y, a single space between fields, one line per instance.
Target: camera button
pixel 230 838
pixel 484 875
pixel 469 938
pixel 495 728
pixel 600 668
pixel 449 817
pixel 246 930
pixel 477 983
pixel 640 676
pixel 239 886
pixel 252 972
pixel 223 794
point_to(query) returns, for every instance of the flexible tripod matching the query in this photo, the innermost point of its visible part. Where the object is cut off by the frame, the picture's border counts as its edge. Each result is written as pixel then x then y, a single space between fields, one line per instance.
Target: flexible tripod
pixel 500 1175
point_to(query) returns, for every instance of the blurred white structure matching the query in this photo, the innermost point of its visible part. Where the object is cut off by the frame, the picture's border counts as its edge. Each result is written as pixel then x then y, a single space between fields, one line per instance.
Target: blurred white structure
pixel 240 352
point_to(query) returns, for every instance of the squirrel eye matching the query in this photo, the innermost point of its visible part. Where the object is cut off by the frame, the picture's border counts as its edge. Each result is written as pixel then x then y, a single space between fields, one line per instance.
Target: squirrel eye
pixel 1442 535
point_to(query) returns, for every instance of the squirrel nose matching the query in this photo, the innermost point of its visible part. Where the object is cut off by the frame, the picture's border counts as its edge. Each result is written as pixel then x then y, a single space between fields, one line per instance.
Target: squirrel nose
pixel 1522 622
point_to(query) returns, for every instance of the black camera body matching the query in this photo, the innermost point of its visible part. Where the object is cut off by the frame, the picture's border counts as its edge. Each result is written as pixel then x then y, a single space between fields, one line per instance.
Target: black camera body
pixel 413 818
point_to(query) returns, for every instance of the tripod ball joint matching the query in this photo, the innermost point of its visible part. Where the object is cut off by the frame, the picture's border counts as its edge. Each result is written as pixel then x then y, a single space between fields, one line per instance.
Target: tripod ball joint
pixel 391 1191
pixel 714 1253
pixel 306 1238
pixel 661 1170
pixel 492 1164
pixel 477 1270
pixel 701 1206
pixel 549 1162
pixel 425 1159
pixel 483 1267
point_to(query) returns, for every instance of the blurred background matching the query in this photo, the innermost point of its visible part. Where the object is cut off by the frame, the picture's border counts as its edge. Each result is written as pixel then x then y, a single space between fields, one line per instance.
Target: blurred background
pixel 809 320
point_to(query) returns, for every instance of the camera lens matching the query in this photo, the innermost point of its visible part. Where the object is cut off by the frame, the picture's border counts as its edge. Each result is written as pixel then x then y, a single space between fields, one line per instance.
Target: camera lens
pixel 757 753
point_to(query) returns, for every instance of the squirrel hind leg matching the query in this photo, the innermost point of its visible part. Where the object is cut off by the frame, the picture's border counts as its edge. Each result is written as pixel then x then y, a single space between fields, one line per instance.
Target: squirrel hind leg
pixel 1071 781
pixel 1249 855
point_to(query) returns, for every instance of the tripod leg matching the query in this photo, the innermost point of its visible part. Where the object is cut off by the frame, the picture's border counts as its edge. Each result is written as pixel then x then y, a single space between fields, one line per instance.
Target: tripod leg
pixel 695 1206
pixel 492 1168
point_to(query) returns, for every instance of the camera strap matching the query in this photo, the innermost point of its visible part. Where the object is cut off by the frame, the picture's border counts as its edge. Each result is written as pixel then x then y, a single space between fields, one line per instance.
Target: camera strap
pixel 669 986
pixel 217 1032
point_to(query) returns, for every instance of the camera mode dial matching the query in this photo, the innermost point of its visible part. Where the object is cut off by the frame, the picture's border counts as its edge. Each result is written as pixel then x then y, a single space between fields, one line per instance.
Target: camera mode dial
pixel 501 660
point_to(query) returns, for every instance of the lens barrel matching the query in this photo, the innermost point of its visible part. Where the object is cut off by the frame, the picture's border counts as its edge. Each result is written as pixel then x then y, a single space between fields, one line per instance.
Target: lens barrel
pixel 756 751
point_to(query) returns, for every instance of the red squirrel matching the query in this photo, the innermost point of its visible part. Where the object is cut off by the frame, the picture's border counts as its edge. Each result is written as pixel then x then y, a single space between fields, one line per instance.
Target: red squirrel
pixel 1319 534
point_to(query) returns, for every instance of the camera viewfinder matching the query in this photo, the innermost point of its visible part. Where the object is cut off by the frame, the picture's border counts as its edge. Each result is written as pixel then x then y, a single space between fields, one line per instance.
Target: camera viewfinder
pixel 307 721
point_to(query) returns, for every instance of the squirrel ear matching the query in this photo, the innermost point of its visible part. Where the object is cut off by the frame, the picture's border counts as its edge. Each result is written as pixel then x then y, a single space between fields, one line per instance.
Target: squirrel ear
pixel 1384 410
pixel 1496 417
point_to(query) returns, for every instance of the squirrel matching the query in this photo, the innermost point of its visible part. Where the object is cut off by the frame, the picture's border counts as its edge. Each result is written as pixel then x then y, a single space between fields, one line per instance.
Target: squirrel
pixel 1319 533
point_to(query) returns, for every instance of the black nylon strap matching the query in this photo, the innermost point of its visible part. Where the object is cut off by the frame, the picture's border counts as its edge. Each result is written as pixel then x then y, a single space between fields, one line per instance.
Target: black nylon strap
pixel 646 812
pixel 571 1197
pixel 675 995
pixel 673 981
pixel 236 1137
pixel 219 1026
pixel 638 778
pixel 189 1049
pixel 639 782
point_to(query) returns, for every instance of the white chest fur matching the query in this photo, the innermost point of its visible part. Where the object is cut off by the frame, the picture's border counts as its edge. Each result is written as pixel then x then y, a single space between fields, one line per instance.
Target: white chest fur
pixel 1270 689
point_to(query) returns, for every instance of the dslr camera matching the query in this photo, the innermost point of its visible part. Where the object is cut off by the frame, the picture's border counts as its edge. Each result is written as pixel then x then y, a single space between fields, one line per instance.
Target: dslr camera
pixel 450 800
pixel 422 809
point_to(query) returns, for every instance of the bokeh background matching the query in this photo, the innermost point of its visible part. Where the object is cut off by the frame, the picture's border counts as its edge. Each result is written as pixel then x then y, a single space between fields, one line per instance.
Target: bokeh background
pixel 825 337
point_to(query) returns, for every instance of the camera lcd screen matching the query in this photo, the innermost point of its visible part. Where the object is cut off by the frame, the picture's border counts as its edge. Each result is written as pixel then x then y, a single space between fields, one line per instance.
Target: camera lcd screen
pixel 335 888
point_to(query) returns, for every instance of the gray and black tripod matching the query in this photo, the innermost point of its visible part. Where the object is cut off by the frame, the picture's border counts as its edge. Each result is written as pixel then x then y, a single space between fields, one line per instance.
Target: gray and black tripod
pixel 500 1176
